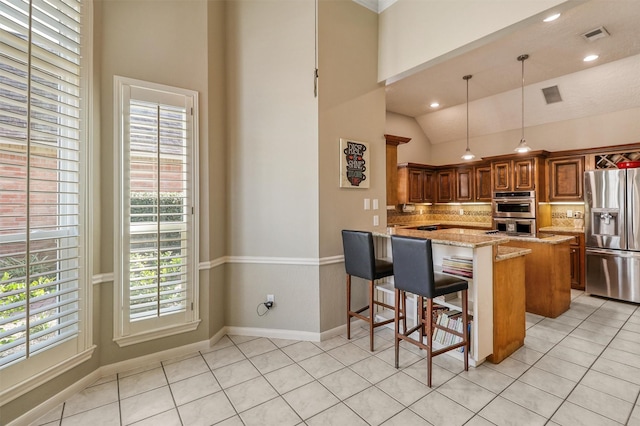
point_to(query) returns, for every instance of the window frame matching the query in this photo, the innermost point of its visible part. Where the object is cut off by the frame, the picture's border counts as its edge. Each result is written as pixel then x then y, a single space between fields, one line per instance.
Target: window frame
pixel 127 332
pixel 21 376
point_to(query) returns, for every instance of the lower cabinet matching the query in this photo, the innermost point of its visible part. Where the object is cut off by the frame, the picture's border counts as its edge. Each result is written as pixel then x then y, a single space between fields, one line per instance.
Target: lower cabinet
pixel 577 250
pixel 576 259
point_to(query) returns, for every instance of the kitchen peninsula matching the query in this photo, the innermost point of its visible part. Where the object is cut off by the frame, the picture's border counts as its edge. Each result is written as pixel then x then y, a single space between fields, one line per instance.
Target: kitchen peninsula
pixel 496 287
pixel 511 275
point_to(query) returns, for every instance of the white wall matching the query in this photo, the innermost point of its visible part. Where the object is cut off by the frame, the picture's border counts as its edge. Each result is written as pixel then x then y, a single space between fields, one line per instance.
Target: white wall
pixel 432 30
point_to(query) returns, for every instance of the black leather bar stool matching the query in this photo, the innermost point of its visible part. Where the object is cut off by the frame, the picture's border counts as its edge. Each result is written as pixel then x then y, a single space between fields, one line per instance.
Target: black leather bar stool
pixel 360 261
pixel 414 273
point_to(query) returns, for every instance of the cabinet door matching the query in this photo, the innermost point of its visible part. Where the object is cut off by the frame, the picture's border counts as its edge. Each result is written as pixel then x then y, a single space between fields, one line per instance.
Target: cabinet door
pixel 574 259
pixel 464 184
pixel 415 185
pixel 524 172
pixel 445 186
pixel 501 175
pixel 565 179
pixel 428 179
pixel 483 183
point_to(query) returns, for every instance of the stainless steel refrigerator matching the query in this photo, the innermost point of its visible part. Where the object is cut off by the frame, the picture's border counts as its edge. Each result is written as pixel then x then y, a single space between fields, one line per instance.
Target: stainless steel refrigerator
pixel 612 233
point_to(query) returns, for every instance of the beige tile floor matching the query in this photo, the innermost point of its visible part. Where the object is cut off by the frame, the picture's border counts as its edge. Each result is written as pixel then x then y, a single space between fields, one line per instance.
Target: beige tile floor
pixel 582 368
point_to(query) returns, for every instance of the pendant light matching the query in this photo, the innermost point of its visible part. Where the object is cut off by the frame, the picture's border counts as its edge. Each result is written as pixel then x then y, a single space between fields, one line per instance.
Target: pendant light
pixel 522 146
pixel 468 155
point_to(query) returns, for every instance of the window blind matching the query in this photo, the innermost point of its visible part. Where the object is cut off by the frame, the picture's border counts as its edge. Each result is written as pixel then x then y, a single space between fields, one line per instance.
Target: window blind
pixel 159 214
pixel 40 173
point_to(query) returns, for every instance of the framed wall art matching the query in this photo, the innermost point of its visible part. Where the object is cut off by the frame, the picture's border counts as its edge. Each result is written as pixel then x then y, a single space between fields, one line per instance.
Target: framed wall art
pixel 354 164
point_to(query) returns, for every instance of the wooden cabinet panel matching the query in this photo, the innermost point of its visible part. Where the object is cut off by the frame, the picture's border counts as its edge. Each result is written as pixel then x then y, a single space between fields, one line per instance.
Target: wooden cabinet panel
pixel 445 185
pixel 428 180
pixel 464 184
pixel 524 174
pixel 483 183
pixel 415 186
pixel 520 174
pixel 501 175
pixel 565 179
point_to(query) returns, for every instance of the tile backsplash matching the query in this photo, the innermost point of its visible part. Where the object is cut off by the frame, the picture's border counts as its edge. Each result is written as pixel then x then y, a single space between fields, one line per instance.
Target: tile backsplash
pixel 480 214
pixel 559 214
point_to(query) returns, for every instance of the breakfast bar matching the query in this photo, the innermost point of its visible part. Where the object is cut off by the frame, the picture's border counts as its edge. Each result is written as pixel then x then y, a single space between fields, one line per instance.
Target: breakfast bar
pixel 496 286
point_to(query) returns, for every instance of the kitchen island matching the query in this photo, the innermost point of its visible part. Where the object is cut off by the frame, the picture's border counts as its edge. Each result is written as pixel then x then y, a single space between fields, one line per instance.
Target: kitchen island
pixel 496 287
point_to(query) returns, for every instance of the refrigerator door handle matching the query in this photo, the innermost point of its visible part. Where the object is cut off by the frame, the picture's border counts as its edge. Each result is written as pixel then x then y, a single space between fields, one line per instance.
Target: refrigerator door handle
pixel 617 253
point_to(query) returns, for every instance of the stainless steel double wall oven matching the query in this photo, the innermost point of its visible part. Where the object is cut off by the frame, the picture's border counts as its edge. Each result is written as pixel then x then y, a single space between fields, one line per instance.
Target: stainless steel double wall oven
pixel 514 212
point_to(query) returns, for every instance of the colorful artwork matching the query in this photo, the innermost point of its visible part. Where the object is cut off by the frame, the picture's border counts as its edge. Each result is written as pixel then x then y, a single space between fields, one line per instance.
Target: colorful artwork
pixel 354 164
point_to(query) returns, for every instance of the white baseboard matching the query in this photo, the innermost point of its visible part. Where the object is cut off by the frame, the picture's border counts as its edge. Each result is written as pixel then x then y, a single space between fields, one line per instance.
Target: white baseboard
pixel 122 366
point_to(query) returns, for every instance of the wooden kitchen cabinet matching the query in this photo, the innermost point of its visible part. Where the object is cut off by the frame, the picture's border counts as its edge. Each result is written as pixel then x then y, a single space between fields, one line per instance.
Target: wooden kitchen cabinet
pixel 465 184
pixel 576 259
pixel 483 183
pixel 517 173
pixel 565 179
pixel 415 184
pixel 445 184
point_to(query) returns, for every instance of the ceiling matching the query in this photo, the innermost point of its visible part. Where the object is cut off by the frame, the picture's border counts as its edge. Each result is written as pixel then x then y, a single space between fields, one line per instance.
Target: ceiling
pixel 555 50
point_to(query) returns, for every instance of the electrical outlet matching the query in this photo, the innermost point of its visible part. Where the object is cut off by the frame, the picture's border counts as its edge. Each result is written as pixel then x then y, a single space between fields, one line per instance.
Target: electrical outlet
pixel 569 213
pixel 461 212
pixel 271 298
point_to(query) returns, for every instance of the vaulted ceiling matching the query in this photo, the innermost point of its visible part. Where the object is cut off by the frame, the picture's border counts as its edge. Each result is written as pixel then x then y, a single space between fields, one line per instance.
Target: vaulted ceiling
pixel 556 50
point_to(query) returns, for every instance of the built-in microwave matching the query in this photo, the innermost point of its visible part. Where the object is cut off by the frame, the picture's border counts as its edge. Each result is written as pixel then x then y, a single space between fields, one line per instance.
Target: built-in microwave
pixel 518 204
pixel 520 227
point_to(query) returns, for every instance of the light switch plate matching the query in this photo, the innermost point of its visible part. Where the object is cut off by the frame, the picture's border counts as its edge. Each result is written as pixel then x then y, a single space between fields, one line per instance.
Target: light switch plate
pixel 376 220
pixel 367 204
pixel 569 213
pixel 375 204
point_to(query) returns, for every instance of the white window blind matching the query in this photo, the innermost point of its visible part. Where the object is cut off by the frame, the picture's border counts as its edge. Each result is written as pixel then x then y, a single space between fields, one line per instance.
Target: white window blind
pixel 157 249
pixel 40 175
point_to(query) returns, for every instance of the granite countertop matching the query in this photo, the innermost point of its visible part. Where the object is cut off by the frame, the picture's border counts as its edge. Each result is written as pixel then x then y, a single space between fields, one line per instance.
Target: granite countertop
pixel 565 229
pixel 469 238
pixel 505 252
pixel 474 237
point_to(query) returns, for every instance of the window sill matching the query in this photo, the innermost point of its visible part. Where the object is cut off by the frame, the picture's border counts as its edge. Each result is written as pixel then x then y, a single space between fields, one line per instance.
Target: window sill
pixel 133 339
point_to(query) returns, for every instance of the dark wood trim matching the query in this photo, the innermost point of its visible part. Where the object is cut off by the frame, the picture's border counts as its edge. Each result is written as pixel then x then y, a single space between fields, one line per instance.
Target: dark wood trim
pixel 596 150
pixel 395 140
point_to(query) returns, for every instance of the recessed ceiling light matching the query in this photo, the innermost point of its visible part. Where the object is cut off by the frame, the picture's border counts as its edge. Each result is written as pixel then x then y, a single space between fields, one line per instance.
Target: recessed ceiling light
pixel 434 105
pixel 590 58
pixel 551 18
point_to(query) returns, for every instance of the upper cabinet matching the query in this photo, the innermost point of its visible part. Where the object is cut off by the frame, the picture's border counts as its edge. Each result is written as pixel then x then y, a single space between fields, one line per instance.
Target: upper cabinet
pixel 445 185
pixel 519 173
pixel 415 184
pixel 418 183
pixel 465 184
pixel 565 178
pixel 483 183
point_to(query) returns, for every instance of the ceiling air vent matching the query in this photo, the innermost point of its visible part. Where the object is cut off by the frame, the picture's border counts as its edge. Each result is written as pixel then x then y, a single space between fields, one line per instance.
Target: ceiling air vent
pixel 551 94
pixel 595 34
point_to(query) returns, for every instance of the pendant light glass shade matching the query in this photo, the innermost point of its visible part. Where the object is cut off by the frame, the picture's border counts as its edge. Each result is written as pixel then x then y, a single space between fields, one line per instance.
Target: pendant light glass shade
pixel 468 155
pixel 522 146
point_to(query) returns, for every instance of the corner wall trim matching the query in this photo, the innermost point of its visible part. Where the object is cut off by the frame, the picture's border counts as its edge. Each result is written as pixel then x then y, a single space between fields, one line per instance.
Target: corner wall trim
pixel 210 264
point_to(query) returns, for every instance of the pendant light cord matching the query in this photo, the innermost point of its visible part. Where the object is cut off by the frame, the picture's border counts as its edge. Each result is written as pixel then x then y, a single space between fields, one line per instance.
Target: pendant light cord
pixel 523 58
pixel 467 78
